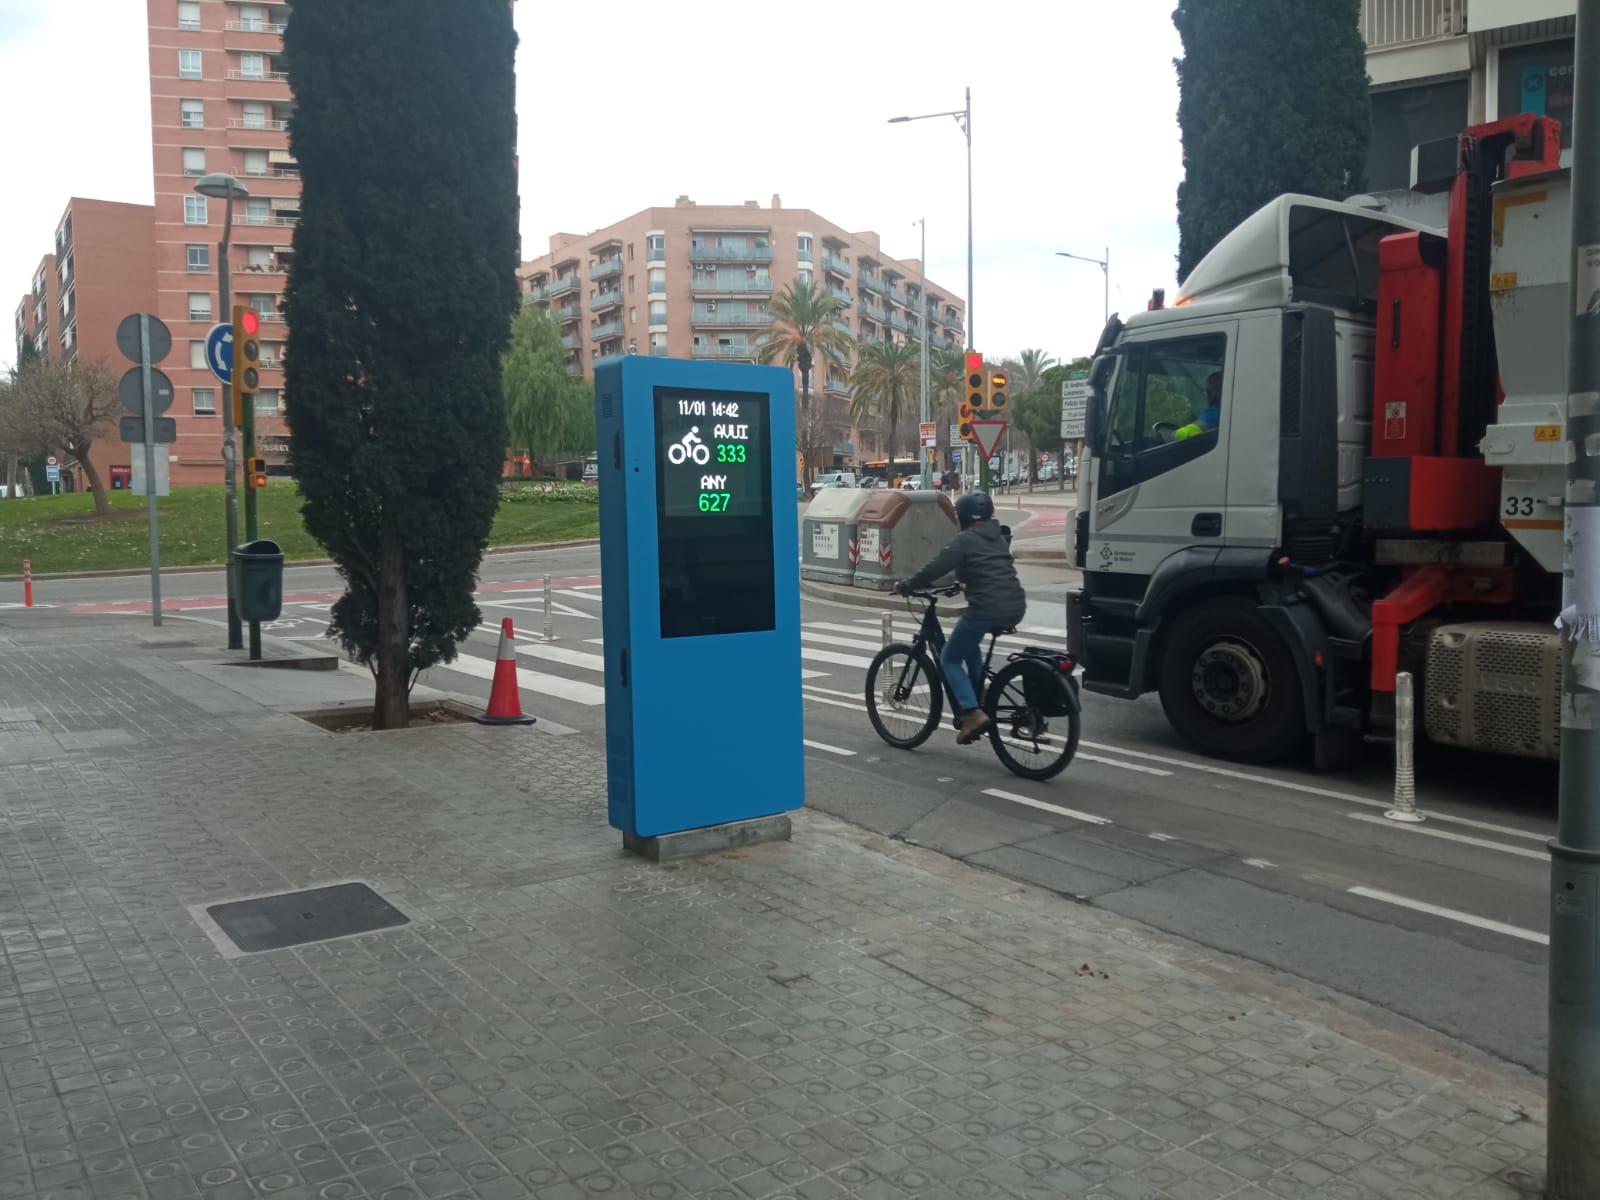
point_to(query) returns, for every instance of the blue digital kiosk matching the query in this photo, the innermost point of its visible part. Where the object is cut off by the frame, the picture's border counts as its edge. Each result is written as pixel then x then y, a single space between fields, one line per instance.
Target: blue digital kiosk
pixel 699 552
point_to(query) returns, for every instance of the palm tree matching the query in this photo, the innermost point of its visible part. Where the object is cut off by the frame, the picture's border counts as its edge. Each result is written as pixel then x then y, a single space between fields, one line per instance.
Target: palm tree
pixel 1030 371
pixel 802 332
pixel 886 383
pixel 947 383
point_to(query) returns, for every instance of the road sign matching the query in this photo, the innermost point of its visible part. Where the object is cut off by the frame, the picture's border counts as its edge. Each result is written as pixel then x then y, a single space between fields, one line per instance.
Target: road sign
pixel 955 433
pixel 128 338
pixel 52 461
pixel 52 473
pixel 219 352
pixel 929 433
pixel 132 431
pixel 955 456
pixel 987 435
pixel 1074 404
pixel 163 470
pixel 130 388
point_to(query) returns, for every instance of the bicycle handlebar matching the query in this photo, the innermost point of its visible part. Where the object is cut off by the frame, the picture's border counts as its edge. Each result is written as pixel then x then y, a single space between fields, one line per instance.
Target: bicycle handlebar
pixel 953 590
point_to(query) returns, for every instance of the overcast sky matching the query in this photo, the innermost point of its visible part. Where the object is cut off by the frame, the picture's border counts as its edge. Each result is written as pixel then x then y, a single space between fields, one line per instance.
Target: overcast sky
pixel 1075 141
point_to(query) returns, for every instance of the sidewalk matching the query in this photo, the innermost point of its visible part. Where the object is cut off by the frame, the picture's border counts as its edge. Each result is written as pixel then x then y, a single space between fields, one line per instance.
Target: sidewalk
pixel 838 1016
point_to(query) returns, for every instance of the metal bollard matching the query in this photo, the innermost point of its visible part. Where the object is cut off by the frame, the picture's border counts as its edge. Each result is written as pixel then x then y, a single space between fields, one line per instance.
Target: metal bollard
pixel 27 583
pixel 1405 732
pixel 549 629
pixel 888 628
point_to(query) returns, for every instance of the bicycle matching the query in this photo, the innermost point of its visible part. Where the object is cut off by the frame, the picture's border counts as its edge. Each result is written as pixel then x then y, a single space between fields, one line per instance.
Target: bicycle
pixel 1036 686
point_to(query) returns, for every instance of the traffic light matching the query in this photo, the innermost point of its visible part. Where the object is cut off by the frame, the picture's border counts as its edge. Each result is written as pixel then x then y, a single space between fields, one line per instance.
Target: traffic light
pixel 975 392
pixel 997 390
pixel 246 358
pixel 255 475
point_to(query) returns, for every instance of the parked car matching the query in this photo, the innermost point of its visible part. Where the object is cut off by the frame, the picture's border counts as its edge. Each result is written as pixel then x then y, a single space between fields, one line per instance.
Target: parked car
pixel 1048 472
pixel 834 479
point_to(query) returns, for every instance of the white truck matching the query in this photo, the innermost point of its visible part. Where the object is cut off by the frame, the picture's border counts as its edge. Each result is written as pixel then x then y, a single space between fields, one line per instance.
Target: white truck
pixel 1378 487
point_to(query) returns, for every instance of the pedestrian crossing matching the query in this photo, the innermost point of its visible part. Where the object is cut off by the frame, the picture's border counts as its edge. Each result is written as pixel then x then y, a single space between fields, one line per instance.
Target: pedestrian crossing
pixel 565 678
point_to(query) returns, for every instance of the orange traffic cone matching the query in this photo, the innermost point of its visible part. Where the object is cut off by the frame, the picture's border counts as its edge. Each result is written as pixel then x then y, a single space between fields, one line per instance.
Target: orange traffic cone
pixel 505 701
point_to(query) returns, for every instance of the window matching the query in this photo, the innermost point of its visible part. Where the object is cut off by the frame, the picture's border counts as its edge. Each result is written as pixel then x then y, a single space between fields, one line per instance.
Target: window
pixel 205 402
pixel 1166 407
pixel 192 114
pixel 803 276
pixel 197 355
pixel 189 64
pixel 630 253
pixel 264 305
pixel 199 306
pixel 1537 79
pixel 255 116
pixel 257 212
pixel 252 66
pixel 658 312
pixel 267 402
pixel 188 14
pixel 251 18
pixel 255 162
pixel 194 210
pixel 194 160
pixel 658 342
pixel 1406 117
pixel 658 279
pixel 803 247
pixel 630 284
pixel 655 246
pixel 199 259
pixel 633 316
pixel 260 258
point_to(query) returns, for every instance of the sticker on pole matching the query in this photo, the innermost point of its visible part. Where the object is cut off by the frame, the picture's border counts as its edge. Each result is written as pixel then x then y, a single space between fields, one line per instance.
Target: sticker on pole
pixel 219 351
pixel 1588 280
pixel 987 435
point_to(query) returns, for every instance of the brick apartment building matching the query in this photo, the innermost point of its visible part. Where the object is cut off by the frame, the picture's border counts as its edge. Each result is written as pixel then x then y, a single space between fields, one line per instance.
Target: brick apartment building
pixel 696 281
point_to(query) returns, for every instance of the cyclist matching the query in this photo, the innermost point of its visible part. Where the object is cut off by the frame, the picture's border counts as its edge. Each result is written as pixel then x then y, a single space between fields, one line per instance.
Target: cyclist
pixel 980 557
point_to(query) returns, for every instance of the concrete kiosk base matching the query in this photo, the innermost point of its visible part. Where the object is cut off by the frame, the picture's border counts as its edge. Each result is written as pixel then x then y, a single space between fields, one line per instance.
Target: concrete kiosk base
pixel 668 847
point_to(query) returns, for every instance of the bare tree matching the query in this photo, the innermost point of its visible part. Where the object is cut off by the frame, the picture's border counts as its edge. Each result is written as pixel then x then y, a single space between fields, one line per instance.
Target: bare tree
pixel 66 407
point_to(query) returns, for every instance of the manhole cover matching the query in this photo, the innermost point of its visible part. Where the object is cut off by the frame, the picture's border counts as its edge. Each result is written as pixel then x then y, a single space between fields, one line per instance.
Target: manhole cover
pixel 295 918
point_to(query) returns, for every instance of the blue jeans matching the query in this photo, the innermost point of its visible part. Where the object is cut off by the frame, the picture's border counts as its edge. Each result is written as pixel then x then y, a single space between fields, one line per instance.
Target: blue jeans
pixel 962 660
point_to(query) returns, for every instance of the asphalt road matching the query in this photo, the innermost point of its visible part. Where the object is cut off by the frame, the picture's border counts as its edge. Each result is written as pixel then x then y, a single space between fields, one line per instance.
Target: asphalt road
pixel 1438 927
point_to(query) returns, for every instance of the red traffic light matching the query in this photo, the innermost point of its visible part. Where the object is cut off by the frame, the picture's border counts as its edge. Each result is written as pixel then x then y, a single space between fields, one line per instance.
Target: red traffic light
pixel 250 321
pixel 974 361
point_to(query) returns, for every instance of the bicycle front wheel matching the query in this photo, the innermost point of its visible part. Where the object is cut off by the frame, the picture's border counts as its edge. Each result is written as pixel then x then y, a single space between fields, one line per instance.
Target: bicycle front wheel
pixel 904 696
pixel 1027 734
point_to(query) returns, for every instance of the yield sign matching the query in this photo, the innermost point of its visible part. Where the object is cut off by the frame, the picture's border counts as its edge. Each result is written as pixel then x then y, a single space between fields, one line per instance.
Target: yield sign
pixel 987 435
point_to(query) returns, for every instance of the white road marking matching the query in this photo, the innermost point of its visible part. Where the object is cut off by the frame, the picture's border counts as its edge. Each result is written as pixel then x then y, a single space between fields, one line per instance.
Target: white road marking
pixel 835 627
pixel 834 703
pixel 1309 790
pixel 560 654
pixel 828 639
pixel 823 746
pixel 587 694
pixel 1446 835
pixel 1259 864
pixel 1090 818
pixel 1451 914
pixel 1163 837
pixel 1126 766
pixel 837 659
pixel 856 695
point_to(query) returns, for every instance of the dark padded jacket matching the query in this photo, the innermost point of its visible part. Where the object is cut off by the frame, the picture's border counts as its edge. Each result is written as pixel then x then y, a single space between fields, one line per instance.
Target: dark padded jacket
pixel 980 557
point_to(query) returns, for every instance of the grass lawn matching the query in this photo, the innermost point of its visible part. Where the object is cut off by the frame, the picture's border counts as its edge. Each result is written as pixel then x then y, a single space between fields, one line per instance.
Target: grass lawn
pixel 61 533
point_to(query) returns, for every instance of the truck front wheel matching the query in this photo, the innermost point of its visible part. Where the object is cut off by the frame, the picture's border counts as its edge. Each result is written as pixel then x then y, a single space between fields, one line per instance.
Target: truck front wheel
pixel 1228 683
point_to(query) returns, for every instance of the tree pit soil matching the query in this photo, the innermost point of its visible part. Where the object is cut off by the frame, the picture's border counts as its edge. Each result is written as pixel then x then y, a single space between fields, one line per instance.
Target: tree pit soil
pixel 358 719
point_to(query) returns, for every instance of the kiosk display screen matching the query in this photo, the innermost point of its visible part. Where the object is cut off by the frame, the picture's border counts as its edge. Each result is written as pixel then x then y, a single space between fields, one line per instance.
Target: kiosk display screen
pixel 713 464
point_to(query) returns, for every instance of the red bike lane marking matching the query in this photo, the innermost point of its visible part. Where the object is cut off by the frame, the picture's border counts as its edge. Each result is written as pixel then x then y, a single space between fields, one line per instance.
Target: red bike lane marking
pixel 204 602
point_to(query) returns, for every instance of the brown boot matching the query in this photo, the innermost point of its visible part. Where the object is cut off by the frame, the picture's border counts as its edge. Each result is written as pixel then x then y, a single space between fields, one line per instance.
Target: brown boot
pixel 973 726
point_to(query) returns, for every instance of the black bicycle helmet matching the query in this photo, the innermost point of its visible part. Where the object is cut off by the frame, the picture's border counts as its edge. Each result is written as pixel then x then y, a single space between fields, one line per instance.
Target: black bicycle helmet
pixel 974 506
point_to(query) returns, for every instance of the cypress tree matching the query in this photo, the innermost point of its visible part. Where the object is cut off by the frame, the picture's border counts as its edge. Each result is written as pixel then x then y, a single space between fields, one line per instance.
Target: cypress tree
pixel 399 302
pixel 1272 98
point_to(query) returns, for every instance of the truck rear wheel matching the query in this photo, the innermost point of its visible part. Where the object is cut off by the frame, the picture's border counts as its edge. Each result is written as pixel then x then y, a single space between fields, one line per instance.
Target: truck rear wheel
pixel 1229 684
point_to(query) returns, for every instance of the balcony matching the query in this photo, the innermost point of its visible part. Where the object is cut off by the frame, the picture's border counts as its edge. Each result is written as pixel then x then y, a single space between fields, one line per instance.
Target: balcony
pixel 571 341
pixel 602 301
pixel 1389 23
pixel 657 287
pixel 841 294
pixel 898 295
pixel 748 320
pixel 735 285
pixel 896 321
pixel 658 351
pixel 708 351
pixel 263 173
pixel 605 269
pixel 256 123
pixel 802 255
pixel 832 262
pixel 836 387
pixel 568 312
pixel 872 283
pixel 253 27
pixel 279 218
pixel 237 76
pixel 605 329
pixel 702 252
pixel 656 254
pixel 560 287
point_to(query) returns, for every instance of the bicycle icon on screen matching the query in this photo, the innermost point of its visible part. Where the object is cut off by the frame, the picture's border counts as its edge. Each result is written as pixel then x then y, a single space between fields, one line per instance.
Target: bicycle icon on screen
pixel 690 446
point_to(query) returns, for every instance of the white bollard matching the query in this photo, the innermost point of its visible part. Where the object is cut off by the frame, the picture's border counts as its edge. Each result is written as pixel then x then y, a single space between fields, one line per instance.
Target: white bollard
pixel 888 628
pixel 1405 732
pixel 549 629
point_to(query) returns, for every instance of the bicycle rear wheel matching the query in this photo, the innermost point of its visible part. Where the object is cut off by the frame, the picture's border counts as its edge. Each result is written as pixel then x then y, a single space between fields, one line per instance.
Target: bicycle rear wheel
pixel 904 696
pixel 1027 737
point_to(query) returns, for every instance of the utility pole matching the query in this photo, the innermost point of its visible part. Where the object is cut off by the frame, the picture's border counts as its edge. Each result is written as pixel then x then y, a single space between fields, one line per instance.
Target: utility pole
pixel 922 452
pixel 1572 1139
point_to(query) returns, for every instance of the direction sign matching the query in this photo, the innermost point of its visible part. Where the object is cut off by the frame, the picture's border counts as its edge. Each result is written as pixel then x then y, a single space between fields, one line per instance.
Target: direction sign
pixel 130 388
pixel 219 351
pixel 128 338
pixel 1074 404
pixel 929 433
pixel 132 431
pixel 987 435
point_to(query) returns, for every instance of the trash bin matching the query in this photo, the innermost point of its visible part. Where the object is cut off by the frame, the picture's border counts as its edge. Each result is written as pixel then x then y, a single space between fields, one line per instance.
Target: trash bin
pixel 258 580
pixel 899 532
pixel 828 547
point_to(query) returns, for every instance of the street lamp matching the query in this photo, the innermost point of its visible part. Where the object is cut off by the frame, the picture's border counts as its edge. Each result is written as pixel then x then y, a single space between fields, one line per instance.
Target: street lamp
pixel 1105 265
pixel 926 406
pixel 964 119
pixel 218 186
